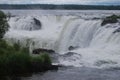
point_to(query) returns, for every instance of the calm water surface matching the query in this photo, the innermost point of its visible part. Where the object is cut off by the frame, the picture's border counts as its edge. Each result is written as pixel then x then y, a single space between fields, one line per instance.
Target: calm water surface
pixel 78 74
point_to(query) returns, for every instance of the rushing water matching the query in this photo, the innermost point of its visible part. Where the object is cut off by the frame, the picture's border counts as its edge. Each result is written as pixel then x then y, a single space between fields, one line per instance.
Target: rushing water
pixel 77 37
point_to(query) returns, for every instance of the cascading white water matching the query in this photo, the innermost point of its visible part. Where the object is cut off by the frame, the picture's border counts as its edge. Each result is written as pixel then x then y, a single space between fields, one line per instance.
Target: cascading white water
pixel 93 45
pixel 103 49
pixel 28 23
pixel 78 33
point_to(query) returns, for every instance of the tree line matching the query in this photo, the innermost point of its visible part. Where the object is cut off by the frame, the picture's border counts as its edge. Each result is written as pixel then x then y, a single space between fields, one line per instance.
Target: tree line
pixel 62 6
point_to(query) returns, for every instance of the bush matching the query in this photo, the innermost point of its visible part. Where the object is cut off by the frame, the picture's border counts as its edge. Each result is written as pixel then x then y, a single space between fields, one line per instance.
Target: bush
pixel 36 64
pixel 3 24
pixel 46 59
pixel 15 60
pixel 16 46
pixel 18 63
pixel 41 63
pixel 110 19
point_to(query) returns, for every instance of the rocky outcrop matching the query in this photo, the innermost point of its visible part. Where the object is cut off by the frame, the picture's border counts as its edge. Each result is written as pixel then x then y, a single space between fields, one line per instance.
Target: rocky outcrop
pixel 26 23
pixel 38 67
pixel 41 51
pixel 117 30
pixel 110 19
pixel 72 48
pixel 69 54
pixel 103 62
pixel 37 22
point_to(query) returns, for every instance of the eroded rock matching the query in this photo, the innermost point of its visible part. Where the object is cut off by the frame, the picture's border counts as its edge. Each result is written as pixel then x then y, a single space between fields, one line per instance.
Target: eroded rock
pixel 41 51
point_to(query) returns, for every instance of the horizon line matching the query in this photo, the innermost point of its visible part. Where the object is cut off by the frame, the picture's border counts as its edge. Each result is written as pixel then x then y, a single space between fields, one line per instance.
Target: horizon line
pixel 60 4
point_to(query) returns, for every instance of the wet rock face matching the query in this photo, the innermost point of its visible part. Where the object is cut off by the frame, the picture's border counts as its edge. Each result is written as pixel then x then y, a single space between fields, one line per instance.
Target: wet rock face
pixel 110 19
pixel 117 30
pixel 41 51
pixel 26 23
pixel 72 48
pixel 103 62
pixel 69 54
pixel 37 22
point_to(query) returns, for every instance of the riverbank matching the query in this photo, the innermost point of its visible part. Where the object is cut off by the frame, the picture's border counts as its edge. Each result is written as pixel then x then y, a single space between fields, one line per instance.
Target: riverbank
pixel 16 61
pixel 73 73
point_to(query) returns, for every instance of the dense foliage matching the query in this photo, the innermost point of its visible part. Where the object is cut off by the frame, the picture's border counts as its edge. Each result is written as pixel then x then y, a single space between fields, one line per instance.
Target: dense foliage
pixel 16 60
pixel 110 19
pixel 3 24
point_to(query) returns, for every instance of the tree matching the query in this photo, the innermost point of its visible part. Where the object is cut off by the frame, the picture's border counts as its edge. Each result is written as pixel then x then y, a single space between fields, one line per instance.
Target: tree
pixel 3 24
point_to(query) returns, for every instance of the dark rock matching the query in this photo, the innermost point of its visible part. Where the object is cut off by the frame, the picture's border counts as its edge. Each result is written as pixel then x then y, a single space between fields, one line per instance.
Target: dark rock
pixel 111 26
pixel 36 51
pixel 37 22
pixel 40 50
pixel 72 48
pixel 68 54
pixel 115 26
pixel 108 26
pixel 117 30
pixel 95 18
pixel 110 19
pixel 39 67
pixel 114 68
pixel 36 66
pixel 50 51
pixel 102 62
pixel 106 21
pixel 55 67
pixel 30 25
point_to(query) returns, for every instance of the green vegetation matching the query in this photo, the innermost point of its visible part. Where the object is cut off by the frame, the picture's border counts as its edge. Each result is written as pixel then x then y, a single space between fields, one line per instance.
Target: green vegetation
pixel 15 60
pixel 110 19
pixel 41 63
pixel 3 24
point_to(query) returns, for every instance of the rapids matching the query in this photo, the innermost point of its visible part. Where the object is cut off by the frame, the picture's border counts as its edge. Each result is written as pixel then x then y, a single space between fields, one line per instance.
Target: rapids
pixel 93 45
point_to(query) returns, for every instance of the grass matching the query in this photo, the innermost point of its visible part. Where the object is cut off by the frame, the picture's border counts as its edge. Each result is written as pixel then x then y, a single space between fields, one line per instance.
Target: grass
pixel 15 60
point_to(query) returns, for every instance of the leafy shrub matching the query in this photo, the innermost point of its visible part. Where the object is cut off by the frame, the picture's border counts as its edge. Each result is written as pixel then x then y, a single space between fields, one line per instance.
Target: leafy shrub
pixel 18 63
pixel 13 61
pixel 16 46
pixel 41 62
pixel 16 60
pixel 36 64
pixel 3 24
pixel 46 59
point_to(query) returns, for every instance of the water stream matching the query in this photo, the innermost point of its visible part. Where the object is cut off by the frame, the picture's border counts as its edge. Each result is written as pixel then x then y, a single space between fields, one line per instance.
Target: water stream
pixel 77 37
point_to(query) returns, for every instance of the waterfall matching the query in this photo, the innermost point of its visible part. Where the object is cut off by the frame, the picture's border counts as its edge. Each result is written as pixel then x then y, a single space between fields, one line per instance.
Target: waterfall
pixel 78 33
pixel 28 23
pixel 79 41
pixel 98 46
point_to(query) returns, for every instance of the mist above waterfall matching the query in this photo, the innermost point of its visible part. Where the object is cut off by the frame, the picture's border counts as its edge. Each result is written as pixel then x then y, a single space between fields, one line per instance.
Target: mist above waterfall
pixel 77 37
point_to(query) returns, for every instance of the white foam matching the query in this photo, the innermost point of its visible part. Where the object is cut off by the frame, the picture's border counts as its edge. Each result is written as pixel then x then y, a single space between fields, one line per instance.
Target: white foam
pixel 96 45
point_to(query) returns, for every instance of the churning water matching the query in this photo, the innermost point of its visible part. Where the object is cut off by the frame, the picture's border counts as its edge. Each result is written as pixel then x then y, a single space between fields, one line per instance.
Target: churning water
pixel 77 36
